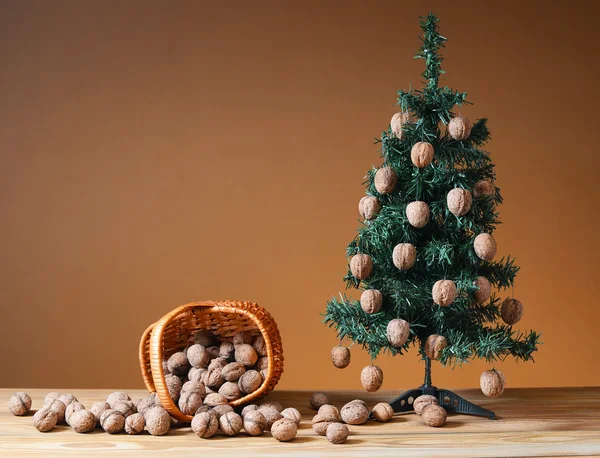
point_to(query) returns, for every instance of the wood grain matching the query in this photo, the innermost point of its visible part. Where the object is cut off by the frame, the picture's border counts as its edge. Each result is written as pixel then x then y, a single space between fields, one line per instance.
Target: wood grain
pixel 532 422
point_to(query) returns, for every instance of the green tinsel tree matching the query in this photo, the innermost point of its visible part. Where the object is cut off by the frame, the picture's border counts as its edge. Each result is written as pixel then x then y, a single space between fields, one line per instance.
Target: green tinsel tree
pixel 445 245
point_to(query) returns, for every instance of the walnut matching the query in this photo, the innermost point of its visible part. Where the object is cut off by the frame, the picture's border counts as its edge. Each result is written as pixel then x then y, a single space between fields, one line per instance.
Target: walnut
pixel 369 207
pixel 97 409
pixel 158 421
pixel 233 371
pixel 204 408
pixel 204 338
pixel 249 408
pixel 361 266
pixel 434 415
pixel 193 386
pixel 337 433
pixel 340 356
pixel 125 407
pixel 214 351
pixel 205 424
pixel 484 188
pixel 246 354
pixel 271 405
pixel 284 430
pixel 418 213
pixel 231 391
pixel 174 386
pixel 195 374
pixel 423 401
pixel 230 423
pixel 444 292
pixel 264 373
pixel 19 404
pixel 485 246
pixel 116 397
pixel 214 399
pixel 189 402
pixel 484 290
pixel 398 121
pixel 226 350
pixel 242 338
pixel 329 411
pixel 355 413
pixel 219 361
pixel 271 415
pixel 67 399
pixel 51 397
pixel 197 356
pixel 492 383
pixel 382 412
pixel 398 331
pixel 371 378
pixel 318 399
pixel 292 414
pixel 135 424
pixel 112 421
pixel 511 311
pixel 59 407
pixel 178 364
pixel 321 422
pixel 421 154
pixel 404 256
pixel 459 128
pixel 254 422
pixel 82 421
pixel 385 180
pixel 250 381
pixel 45 419
pixel 459 201
pixel 71 409
pixel 262 363
pixel 371 301
pixel 434 346
pixel 147 403
pixel 221 409
pixel 260 346
pixel 214 377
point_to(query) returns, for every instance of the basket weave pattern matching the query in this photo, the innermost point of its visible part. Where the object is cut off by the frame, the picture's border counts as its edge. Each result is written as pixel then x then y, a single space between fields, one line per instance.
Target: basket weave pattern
pixel 175 331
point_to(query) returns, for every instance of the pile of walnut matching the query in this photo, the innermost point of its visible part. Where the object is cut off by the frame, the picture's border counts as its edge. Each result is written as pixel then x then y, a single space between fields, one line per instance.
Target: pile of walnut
pixel 216 371
pixel 119 413
pixel 329 421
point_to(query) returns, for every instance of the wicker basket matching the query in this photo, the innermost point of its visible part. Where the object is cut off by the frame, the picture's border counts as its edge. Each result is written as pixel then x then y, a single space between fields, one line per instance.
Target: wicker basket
pixel 175 331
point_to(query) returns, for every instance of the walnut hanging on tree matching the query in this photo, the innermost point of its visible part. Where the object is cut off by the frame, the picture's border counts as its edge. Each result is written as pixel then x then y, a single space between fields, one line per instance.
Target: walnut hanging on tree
pixel 371 378
pixel 484 188
pixel 511 311
pixel 369 207
pixel 444 292
pixel 485 246
pixel 418 213
pixel 398 120
pixel 459 128
pixel 397 332
pixel 459 201
pixel 485 289
pixel 340 356
pixel 404 256
pixel 492 383
pixel 421 154
pixel 361 266
pixel 385 180
pixel 434 346
pixel 371 301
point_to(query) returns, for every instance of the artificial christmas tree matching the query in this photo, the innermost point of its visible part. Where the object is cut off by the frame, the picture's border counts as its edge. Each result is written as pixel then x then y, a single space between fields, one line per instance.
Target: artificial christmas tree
pixel 425 259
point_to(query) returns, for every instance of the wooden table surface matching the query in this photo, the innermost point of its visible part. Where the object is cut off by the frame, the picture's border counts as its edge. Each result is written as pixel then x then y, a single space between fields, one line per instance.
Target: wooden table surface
pixel 531 422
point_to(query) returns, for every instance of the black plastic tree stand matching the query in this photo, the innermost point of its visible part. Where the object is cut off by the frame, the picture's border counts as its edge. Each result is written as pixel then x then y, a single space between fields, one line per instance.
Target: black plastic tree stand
pixel 450 401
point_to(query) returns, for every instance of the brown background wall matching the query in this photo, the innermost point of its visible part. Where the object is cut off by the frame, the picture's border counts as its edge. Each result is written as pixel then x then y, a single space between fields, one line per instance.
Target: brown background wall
pixel 153 153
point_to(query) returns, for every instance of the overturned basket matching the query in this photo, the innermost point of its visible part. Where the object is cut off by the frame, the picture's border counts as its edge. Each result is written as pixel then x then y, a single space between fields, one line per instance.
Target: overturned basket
pixel 175 331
